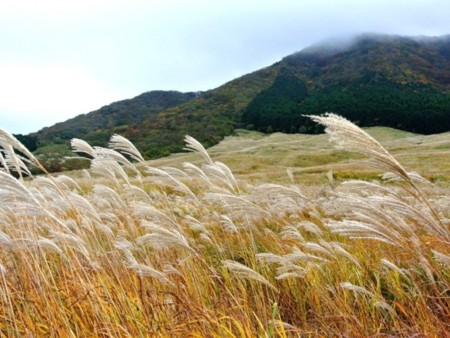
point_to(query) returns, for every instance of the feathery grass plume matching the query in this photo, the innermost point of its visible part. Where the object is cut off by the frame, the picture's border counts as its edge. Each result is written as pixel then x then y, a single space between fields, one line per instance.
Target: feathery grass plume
pixel 310 227
pixel 19 244
pixel 81 146
pixel 109 169
pixel 108 194
pixel 125 146
pixel 317 248
pixel 390 176
pixel 290 175
pixel 269 258
pixel 134 193
pixel 196 171
pixel 162 238
pixel 141 269
pixel 354 288
pixel 445 259
pixel 16 188
pixel 68 239
pixel 371 210
pixel 195 224
pixel 175 172
pixel 147 271
pixel 8 139
pixel 228 224
pixel 112 155
pixel 360 230
pixel 3 270
pixel 340 251
pixel 350 137
pixel 282 326
pixel 4 165
pixel 244 272
pixel 176 183
pixel 391 266
pixel 47 189
pixel 14 162
pixel 290 232
pixel 193 145
pixel 237 206
pixel 148 212
pixel 385 306
pixel 278 191
pixel 221 173
pixel 290 270
pixel 299 256
pixel 227 175
pixel 83 205
pixel 68 182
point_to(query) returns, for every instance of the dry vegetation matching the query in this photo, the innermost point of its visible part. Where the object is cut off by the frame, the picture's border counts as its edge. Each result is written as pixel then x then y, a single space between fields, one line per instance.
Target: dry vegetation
pixel 131 249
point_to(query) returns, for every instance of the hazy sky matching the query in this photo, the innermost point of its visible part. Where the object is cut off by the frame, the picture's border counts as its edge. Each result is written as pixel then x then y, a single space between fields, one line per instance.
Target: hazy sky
pixel 62 58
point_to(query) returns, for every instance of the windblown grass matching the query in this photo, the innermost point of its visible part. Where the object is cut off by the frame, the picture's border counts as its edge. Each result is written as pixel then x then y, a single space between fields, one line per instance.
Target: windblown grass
pixel 133 250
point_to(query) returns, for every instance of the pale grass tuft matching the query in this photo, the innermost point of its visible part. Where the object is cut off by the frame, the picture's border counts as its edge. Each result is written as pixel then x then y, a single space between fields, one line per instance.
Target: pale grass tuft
pixel 124 145
pixel 162 238
pixel 445 259
pixel 81 146
pixel 354 288
pixel 193 145
pixel 7 139
pixel 349 137
pixel 290 271
pixel 244 272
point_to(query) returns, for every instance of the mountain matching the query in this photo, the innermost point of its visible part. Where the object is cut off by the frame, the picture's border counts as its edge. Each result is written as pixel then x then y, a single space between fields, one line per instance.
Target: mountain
pixel 395 81
pixel 372 79
pixel 97 126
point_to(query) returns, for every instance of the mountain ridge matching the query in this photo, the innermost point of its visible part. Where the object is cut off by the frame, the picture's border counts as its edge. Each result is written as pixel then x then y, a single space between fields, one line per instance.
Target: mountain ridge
pixel 373 79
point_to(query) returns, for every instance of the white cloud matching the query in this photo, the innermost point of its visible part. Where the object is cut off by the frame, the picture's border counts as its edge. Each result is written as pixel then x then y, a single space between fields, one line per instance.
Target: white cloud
pixel 44 95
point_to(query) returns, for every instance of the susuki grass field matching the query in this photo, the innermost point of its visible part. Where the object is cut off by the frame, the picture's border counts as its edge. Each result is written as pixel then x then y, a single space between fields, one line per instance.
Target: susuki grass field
pixel 183 247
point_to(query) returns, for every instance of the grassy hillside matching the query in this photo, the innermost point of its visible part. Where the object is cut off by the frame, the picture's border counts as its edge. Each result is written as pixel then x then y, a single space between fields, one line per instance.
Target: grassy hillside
pixel 256 157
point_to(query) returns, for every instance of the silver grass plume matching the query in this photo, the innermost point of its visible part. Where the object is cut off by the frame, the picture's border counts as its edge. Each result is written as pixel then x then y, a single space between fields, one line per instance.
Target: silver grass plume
pixel 348 136
pixel 223 173
pixel 163 238
pixel 355 288
pixel 176 183
pixel 141 269
pixel 109 168
pixel 112 155
pixel 125 146
pixel 244 272
pixel 81 146
pixel 194 170
pixel 8 139
pixel 3 162
pixel 193 145
pixel 68 182
pixel 444 259
pixel 14 162
pixel 290 271
pixel 237 206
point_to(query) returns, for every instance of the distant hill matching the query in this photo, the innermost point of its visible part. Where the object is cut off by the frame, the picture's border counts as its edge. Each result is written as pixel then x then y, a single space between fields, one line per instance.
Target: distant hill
pixel 394 81
pixel 97 126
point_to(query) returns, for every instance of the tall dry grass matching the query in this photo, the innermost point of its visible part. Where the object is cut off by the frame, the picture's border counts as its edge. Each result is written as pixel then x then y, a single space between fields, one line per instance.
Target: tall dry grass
pixel 130 250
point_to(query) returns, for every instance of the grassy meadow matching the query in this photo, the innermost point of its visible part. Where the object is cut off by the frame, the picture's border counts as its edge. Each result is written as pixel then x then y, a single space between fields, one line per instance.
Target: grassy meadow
pixel 260 236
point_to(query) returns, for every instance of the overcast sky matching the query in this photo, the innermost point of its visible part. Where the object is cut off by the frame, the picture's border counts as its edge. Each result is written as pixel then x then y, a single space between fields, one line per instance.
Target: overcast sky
pixel 62 58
